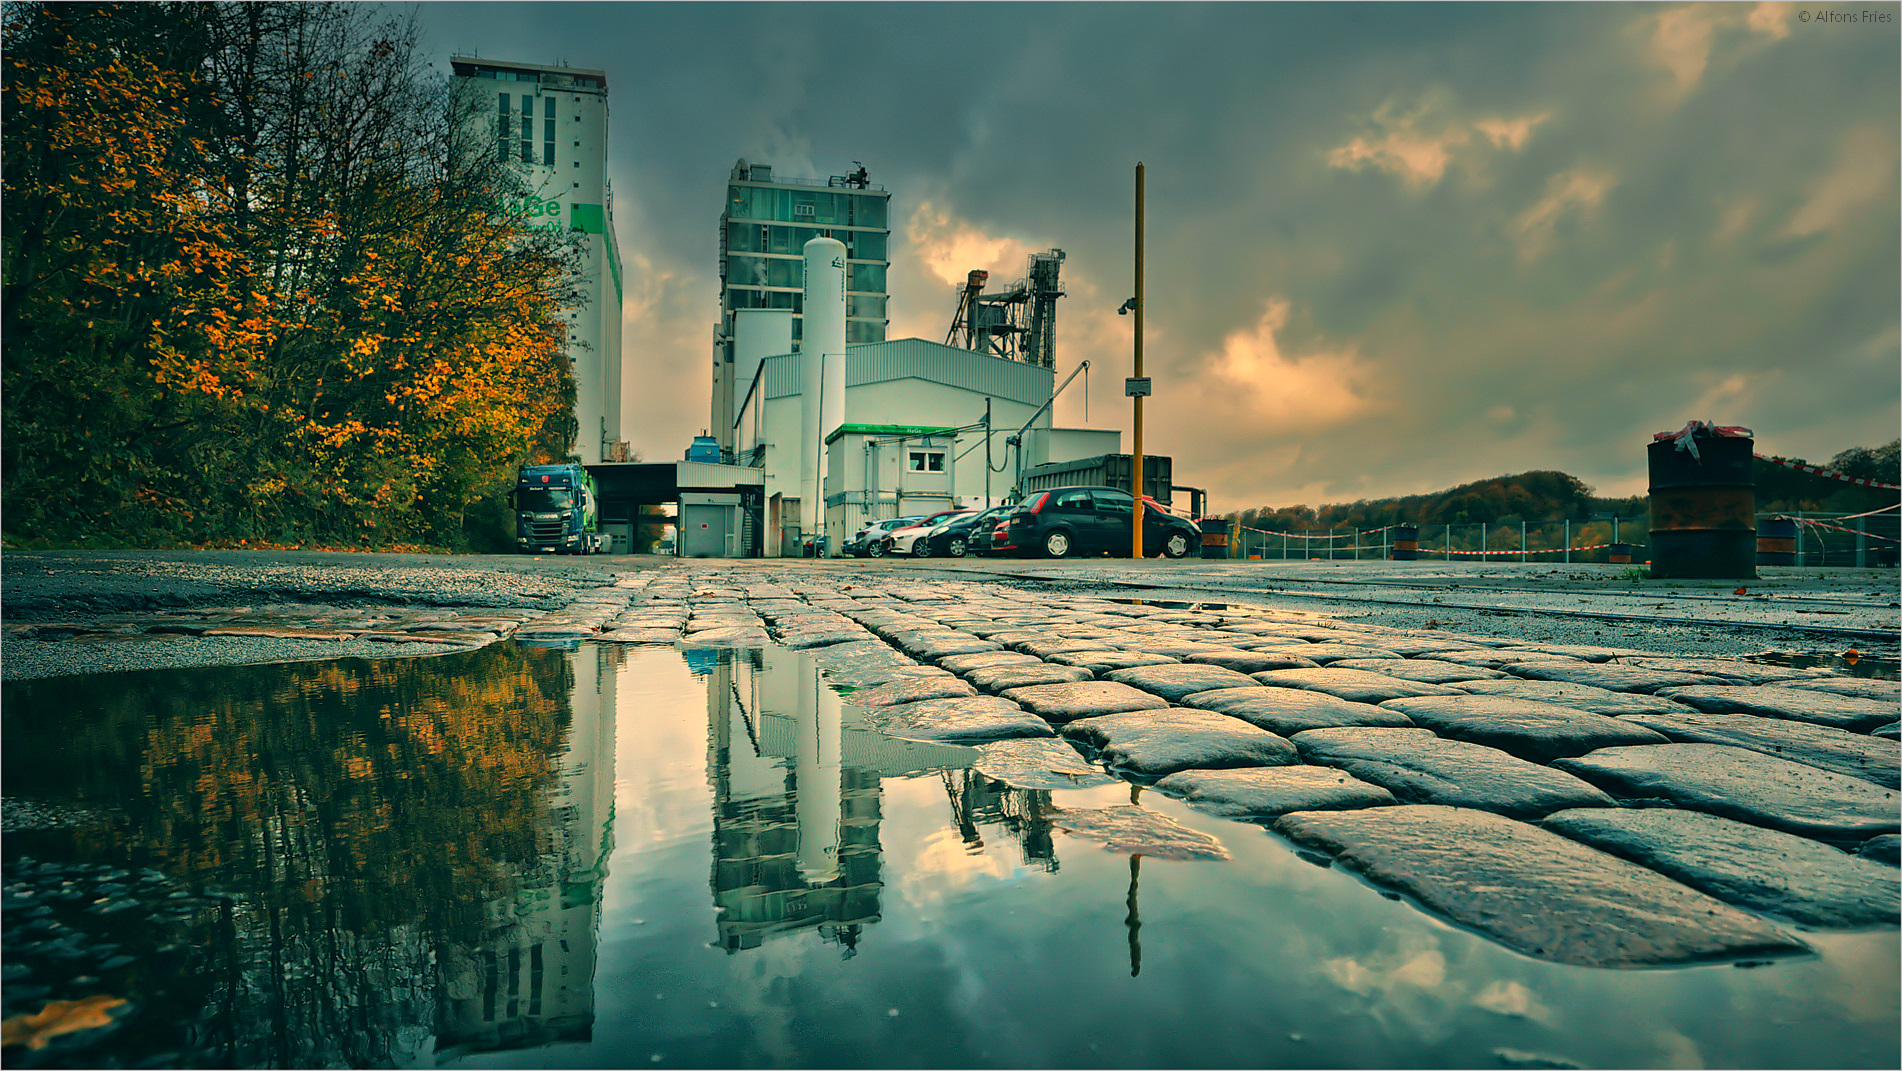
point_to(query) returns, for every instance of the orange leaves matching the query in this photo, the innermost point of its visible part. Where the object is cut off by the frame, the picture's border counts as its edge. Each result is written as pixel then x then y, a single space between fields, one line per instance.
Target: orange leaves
pixel 59 1017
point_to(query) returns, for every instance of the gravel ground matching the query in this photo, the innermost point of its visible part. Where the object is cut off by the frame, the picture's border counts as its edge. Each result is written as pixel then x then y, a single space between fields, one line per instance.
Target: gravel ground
pixel 86 586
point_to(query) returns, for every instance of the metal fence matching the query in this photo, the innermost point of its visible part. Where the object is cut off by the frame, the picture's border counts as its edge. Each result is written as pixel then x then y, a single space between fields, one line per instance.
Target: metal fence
pixel 1822 539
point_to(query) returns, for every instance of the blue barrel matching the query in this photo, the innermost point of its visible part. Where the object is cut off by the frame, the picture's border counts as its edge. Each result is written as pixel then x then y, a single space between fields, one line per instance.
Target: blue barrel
pixel 1406 542
pixel 1776 541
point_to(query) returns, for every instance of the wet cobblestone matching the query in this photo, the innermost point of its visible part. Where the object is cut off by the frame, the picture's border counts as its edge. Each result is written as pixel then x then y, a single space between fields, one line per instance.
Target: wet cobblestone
pixel 1140 691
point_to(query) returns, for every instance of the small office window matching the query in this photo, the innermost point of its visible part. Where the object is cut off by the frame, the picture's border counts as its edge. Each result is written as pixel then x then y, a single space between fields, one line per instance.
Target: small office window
pixel 927 461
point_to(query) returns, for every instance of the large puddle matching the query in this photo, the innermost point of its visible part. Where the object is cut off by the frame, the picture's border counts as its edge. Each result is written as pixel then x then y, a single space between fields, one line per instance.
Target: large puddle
pixel 641 856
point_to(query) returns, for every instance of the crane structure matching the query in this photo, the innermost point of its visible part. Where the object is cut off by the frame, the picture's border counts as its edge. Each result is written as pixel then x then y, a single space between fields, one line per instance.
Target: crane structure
pixel 1019 324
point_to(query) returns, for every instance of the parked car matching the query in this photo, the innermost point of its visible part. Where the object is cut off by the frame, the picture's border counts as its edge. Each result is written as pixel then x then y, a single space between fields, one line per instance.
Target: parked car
pixel 999 541
pixel 869 541
pixel 907 540
pixel 1066 521
pixel 954 538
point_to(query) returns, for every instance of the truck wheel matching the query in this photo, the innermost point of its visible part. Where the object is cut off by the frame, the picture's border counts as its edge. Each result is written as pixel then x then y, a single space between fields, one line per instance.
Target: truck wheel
pixel 1175 545
pixel 1056 545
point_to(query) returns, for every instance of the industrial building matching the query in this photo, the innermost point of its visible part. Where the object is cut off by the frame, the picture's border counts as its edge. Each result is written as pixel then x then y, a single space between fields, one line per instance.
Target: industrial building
pixel 551 124
pixel 764 229
pixel 844 426
pixel 913 438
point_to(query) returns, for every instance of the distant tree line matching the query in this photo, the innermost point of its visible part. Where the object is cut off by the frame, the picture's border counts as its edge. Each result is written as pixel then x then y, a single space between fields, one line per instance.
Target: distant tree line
pixel 260 284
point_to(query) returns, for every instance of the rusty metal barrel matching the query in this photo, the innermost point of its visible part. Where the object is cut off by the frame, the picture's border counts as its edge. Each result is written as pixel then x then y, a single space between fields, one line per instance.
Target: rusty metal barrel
pixel 1214 537
pixel 1620 554
pixel 1406 542
pixel 1776 541
pixel 1703 507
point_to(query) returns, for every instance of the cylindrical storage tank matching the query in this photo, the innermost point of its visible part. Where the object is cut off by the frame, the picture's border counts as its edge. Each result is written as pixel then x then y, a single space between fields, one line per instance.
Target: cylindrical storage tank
pixel 1620 554
pixel 1406 542
pixel 1776 541
pixel 1214 537
pixel 822 364
pixel 1703 509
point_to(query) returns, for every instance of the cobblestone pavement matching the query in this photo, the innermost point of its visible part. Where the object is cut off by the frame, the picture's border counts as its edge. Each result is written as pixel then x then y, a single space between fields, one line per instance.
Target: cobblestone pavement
pixel 1596 805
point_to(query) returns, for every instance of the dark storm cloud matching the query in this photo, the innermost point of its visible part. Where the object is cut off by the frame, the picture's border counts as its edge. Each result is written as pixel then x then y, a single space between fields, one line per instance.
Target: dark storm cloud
pixel 1390 248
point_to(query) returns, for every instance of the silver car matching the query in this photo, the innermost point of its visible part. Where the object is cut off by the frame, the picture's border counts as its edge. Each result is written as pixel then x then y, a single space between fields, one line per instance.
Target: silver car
pixel 869 542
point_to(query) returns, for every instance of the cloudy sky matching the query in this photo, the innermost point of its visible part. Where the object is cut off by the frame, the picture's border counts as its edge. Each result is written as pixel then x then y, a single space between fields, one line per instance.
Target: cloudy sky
pixel 1391 248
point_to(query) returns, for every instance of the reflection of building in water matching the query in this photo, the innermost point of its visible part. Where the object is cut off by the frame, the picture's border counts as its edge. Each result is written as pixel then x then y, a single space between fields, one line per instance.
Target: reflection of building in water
pixel 532 980
pixel 977 800
pixel 797 796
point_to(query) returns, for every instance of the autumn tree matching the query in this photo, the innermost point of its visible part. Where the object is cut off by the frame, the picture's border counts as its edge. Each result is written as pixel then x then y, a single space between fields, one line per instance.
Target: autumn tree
pixel 261 282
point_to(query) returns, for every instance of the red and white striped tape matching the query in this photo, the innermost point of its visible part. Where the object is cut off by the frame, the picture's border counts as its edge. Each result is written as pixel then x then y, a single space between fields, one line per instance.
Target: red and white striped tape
pixel 1814 471
pixel 1349 534
pixel 1840 528
pixel 1554 550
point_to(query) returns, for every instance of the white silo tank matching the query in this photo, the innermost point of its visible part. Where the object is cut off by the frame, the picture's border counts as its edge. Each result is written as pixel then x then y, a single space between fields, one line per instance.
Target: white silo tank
pixel 822 364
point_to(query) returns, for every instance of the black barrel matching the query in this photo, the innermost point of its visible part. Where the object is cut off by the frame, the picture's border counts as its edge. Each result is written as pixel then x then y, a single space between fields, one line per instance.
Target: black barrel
pixel 1214 537
pixel 1703 509
pixel 1406 542
pixel 1776 541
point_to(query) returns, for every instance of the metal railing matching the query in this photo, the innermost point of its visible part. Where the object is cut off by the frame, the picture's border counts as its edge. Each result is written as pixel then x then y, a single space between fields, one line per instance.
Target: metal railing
pixel 1822 539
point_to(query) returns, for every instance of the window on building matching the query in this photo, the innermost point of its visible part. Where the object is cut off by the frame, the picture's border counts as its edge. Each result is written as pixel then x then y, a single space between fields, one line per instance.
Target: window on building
pixel 502 126
pixel 867 277
pixel 868 211
pixel 528 128
pixel 927 461
pixel 548 130
pixel 868 245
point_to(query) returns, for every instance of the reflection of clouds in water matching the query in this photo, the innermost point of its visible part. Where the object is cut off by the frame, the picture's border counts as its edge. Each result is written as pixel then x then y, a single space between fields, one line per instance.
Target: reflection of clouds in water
pixel 1864 982
pixel 661 793
pixel 762 995
pixel 1514 999
pixel 1425 969
pixel 1676 1050
pixel 925 870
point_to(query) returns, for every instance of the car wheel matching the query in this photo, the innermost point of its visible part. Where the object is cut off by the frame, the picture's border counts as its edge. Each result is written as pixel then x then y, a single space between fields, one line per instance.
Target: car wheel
pixel 875 550
pixel 921 547
pixel 955 548
pixel 1175 545
pixel 1056 545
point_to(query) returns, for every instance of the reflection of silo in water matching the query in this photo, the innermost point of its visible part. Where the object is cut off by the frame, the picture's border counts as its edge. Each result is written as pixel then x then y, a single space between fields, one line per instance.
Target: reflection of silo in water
pixel 816 774
pixel 776 743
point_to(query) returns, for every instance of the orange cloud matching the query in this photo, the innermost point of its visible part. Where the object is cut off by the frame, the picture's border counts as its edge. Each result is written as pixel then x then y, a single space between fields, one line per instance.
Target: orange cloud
pixel 1419 149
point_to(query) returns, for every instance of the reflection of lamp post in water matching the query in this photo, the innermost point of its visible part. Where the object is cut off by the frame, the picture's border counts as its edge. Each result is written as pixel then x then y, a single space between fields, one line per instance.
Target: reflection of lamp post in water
pixel 817 776
pixel 1132 920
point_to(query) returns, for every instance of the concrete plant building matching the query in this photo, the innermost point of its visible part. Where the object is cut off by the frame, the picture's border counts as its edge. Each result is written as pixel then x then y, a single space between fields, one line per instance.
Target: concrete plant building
pixel 912 439
pixel 551 124
pixel 764 229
